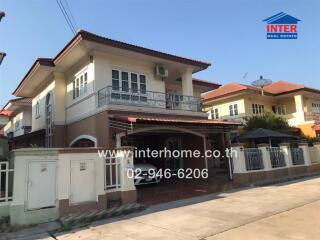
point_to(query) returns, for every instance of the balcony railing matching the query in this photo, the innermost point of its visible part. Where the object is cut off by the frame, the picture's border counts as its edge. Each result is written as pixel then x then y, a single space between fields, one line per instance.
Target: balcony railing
pixel 135 97
pixel 312 116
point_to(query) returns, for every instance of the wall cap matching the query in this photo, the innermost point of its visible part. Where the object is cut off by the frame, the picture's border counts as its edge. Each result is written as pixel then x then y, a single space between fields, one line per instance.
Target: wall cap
pixel 263 145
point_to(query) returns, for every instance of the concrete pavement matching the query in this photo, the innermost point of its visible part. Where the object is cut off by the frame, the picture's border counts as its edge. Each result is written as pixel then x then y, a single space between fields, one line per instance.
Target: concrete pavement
pixel 284 211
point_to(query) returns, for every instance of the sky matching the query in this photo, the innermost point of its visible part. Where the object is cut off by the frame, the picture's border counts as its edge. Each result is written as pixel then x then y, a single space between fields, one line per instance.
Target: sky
pixel 229 34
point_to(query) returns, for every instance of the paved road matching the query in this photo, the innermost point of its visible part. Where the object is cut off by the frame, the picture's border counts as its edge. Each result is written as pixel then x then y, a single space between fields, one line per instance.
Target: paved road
pixel 286 211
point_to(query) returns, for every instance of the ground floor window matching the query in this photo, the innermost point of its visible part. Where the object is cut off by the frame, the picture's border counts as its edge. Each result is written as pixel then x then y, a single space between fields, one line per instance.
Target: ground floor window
pixel 112 173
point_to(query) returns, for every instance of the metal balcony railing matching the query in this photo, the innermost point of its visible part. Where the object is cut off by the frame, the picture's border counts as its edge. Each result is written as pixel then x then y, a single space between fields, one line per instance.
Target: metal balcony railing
pixel 135 97
pixel 312 116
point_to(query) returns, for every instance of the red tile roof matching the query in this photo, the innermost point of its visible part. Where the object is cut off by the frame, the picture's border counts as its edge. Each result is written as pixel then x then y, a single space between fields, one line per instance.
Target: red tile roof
pixel 228 89
pixel 274 89
pixel 282 87
pixel 6 113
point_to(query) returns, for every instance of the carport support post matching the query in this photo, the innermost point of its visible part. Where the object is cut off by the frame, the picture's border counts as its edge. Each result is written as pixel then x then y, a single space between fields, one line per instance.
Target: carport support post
pixel 306 153
pixel 285 147
pixel 265 156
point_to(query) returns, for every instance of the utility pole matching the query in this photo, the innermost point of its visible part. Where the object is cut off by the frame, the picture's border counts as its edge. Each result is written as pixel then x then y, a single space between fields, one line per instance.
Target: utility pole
pixel 2 54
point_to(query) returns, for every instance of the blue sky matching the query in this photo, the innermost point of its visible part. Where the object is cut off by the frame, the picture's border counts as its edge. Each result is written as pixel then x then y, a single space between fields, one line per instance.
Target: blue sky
pixel 230 34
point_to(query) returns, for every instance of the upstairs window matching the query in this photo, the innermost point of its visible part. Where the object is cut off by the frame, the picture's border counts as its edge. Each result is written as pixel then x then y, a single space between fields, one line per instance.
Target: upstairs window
pixel 128 86
pixel 37 109
pixel 257 109
pixel 80 85
pixel 279 109
pixel 17 126
pixel 316 107
pixel 215 113
pixel 233 110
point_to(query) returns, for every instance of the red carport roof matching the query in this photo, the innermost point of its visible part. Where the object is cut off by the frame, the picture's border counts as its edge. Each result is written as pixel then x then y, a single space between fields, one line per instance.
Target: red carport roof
pixel 170 120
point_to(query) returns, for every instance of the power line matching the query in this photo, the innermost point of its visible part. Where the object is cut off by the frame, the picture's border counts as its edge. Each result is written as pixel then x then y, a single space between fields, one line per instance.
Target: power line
pixel 70 12
pixel 66 17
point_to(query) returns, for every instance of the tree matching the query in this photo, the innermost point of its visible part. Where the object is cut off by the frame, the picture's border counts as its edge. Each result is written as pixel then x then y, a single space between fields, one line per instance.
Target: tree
pixel 268 121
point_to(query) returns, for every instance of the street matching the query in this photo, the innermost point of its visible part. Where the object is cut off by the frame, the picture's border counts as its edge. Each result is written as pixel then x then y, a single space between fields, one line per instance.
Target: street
pixel 284 211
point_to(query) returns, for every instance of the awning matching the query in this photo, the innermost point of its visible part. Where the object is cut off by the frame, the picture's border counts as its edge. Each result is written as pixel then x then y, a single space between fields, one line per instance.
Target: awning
pixel 126 122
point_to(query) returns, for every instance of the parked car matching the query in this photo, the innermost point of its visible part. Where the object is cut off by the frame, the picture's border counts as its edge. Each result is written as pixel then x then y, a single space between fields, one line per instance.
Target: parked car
pixel 142 174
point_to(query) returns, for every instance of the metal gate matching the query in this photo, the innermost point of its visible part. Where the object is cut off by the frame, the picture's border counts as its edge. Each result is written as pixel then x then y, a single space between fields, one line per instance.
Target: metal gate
pixel 6 182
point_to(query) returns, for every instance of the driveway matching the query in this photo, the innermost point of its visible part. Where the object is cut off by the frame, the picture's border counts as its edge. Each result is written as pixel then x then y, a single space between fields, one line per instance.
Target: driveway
pixel 285 211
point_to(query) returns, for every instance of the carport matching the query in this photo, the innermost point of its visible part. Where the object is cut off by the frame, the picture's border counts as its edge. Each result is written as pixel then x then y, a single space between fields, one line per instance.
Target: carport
pixel 175 133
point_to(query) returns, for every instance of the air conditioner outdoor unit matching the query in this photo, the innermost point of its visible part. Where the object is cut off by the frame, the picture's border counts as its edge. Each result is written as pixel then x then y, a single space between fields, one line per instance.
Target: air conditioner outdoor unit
pixel 161 71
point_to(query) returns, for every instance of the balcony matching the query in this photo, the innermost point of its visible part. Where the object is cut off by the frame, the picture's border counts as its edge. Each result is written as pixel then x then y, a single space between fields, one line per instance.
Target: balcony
pixel 134 97
pixel 312 116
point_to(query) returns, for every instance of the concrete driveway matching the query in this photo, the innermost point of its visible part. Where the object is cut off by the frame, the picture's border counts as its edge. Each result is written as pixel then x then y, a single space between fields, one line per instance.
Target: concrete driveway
pixel 285 211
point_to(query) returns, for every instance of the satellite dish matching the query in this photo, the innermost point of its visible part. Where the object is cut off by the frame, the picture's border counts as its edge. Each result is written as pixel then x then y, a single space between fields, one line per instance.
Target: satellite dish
pixel 261 83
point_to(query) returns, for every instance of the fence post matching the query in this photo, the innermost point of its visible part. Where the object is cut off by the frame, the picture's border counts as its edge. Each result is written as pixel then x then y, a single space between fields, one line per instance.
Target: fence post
pixel 265 156
pixel 306 153
pixel 285 147
pixel 125 156
pixel 128 189
pixel 239 162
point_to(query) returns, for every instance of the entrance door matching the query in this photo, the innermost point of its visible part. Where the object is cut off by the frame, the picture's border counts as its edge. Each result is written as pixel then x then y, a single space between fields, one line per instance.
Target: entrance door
pixel 83 183
pixel 41 185
pixel 173 145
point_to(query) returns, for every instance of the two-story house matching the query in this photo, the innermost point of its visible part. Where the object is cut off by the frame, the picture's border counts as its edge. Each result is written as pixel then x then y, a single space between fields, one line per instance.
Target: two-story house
pixel 106 93
pixel 19 122
pixel 299 104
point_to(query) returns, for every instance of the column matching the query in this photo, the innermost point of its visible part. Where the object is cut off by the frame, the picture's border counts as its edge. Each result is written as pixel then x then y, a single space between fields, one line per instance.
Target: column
pixel 298 99
pixel 265 156
pixel 287 154
pixel 128 189
pixel 306 153
pixel 186 80
pixel 239 162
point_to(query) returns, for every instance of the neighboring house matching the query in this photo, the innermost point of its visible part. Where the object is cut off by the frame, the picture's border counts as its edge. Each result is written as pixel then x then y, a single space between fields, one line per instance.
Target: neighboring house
pixel 19 123
pixel 4 119
pixel 106 93
pixel 299 104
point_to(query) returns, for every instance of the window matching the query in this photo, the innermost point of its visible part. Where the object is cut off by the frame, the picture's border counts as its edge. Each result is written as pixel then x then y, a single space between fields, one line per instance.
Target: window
pixel 316 107
pixel 233 109
pixel 17 126
pixel 279 109
pixel 257 109
pixel 37 109
pixel 128 86
pixel 80 85
pixel 112 173
pixel 215 113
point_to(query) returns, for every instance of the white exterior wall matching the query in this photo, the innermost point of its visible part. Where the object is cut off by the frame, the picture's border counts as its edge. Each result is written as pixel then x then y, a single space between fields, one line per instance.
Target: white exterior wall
pixel 84 105
pixel 40 123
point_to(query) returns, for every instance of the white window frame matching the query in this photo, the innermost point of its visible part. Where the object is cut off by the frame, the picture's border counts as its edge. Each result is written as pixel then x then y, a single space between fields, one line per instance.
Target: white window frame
pixel 215 113
pixel 80 85
pixel 233 109
pixel 257 109
pixel 37 109
pixel 280 110
pixel 109 163
pixel 315 107
pixel 17 125
pixel 129 94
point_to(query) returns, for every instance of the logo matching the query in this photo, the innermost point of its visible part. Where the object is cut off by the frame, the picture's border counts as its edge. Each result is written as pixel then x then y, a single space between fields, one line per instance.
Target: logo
pixel 282 26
